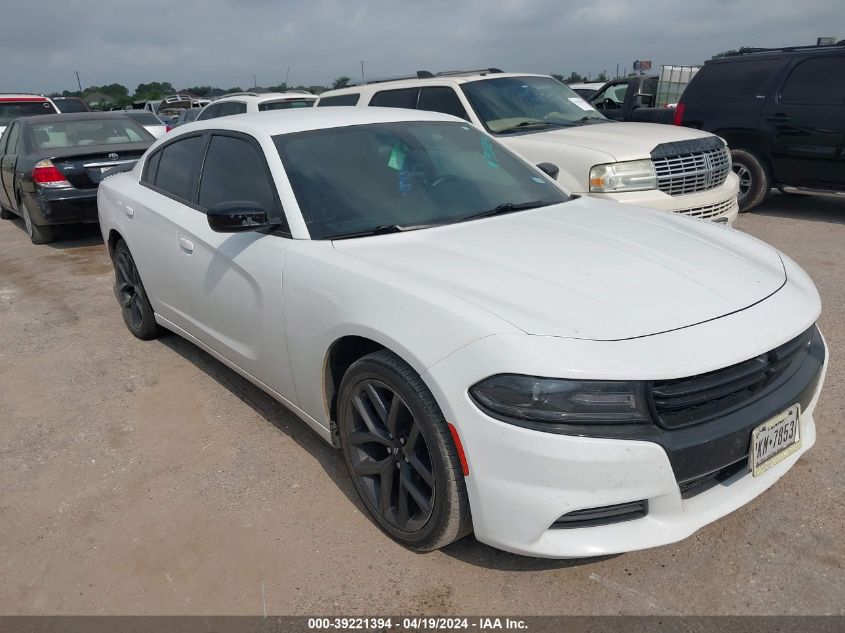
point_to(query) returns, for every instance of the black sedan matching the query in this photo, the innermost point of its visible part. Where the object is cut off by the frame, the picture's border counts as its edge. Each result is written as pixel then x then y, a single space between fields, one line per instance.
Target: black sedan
pixel 50 166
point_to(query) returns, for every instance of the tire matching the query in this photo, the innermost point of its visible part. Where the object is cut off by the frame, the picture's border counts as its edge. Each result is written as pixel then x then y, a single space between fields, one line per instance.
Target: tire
pixel 5 214
pixel 38 233
pixel 400 453
pixel 754 179
pixel 137 312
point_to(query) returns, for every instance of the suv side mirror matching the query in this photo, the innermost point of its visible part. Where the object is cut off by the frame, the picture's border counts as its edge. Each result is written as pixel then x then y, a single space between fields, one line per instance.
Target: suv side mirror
pixel 237 217
pixel 549 169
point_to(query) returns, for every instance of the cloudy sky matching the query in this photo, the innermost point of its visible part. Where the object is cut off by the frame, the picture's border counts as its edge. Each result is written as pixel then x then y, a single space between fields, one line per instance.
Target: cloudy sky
pixel 225 42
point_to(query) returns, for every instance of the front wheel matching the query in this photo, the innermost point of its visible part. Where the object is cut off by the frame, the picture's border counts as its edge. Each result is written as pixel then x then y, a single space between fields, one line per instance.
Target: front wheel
pixel 400 453
pixel 754 181
pixel 137 312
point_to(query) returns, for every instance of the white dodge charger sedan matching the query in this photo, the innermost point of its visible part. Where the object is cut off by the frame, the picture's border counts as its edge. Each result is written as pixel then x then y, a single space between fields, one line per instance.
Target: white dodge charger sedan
pixel 563 376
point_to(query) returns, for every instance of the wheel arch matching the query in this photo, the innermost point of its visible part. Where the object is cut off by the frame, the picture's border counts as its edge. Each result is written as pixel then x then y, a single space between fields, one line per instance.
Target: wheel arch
pixel 749 141
pixel 113 239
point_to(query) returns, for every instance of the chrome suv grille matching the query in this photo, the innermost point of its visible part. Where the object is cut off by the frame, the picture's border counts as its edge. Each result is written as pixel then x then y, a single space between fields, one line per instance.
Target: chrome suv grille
pixel 686 401
pixel 691 166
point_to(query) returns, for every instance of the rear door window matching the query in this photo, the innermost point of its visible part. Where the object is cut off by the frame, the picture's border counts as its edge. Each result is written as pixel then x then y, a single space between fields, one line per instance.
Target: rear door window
pixel 176 167
pixel 349 99
pixel 401 98
pixel 819 81
pixel 441 99
pixel 731 82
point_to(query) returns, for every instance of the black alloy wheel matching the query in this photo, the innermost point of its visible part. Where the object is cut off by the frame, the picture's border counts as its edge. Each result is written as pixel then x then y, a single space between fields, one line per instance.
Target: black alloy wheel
pixel 400 453
pixel 134 305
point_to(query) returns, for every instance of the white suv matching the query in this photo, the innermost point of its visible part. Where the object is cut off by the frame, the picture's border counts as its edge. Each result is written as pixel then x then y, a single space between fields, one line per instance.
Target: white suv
pixel 645 164
pixel 242 102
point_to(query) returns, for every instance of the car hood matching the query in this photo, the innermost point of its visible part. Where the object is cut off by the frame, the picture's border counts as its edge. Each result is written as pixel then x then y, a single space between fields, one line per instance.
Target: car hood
pixel 586 269
pixel 621 141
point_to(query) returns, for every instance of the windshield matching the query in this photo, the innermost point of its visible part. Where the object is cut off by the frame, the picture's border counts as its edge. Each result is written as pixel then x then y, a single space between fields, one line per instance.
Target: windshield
pixel 511 104
pixel 357 179
pixel 11 110
pixel 285 104
pixel 87 132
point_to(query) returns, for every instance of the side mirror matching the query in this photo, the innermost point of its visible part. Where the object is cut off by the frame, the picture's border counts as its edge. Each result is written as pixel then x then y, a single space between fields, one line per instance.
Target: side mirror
pixel 237 217
pixel 549 169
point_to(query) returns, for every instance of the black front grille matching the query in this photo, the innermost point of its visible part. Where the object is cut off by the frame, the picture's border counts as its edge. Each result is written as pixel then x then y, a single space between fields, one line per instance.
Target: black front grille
pixel 604 515
pixel 684 401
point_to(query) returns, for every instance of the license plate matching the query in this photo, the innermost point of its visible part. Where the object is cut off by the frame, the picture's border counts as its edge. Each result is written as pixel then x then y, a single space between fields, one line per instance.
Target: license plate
pixel 775 440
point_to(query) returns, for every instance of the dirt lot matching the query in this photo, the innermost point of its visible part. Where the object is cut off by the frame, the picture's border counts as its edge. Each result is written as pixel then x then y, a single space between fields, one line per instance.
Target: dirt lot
pixel 146 478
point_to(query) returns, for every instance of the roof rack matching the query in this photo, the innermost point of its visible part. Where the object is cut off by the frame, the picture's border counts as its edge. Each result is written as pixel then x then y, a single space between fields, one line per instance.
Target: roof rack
pixel 788 49
pixel 425 74
pixel 480 71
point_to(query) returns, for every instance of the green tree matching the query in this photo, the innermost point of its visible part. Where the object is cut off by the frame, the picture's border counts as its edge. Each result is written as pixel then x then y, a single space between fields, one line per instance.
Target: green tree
pixel 153 90
pixel 340 82
pixel 199 91
pixel 602 77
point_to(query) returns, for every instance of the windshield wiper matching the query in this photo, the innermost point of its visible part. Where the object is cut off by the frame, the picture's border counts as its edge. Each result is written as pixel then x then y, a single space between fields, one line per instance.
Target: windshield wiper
pixel 507 207
pixel 525 124
pixel 383 229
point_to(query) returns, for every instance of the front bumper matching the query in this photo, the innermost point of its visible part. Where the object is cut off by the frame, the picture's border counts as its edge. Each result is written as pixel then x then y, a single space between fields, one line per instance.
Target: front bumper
pixel 521 481
pixel 62 206
pixel 718 204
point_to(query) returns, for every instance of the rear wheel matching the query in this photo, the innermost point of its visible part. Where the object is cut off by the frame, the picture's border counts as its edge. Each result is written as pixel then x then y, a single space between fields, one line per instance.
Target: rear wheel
pixel 400 453
pixel 38 233
pixel 754 181
pixel 137 312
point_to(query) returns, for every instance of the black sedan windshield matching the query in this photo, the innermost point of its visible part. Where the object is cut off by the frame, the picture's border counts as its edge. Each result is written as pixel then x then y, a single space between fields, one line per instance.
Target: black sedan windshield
pixel 362 179
pixel 524 104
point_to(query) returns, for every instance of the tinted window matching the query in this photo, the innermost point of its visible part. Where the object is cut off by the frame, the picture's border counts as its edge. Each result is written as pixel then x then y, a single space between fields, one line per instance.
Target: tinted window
pixel 731 82
pixel 70 105
pixel 819 81
pixel 210 112
pixel 350 99
pixel 176 167
pixel 404 98
pixel 285 105
pixel 11 110
pixel 355 178
pixel 85 132
pixel 13 139
pixel 152 167
pixel 441 99
pixel 235 171
pixel 229 108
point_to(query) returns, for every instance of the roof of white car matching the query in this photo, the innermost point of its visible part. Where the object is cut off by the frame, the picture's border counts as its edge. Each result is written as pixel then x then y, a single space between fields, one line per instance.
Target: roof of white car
pixel 22 95
pixel 261 97
pixel 436 80
pixel 303 119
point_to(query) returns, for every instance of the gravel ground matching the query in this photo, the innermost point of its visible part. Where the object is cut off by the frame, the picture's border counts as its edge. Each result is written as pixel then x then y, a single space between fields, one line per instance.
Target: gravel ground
pixel 146 478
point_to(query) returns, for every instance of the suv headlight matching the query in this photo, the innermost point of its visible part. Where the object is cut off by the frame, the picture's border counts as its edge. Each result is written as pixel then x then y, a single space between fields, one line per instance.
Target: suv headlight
pixel 561 401
pixel 632 175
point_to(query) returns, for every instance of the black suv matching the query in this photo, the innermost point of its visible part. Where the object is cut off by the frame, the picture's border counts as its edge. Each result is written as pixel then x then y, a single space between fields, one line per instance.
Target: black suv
pixel 782 112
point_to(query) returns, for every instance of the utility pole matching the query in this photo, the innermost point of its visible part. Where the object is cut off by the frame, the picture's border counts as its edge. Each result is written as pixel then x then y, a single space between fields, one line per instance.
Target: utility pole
pixel 254 83
pixel 287 75
pixel 78 82
pixel 362 72
pixel 617 72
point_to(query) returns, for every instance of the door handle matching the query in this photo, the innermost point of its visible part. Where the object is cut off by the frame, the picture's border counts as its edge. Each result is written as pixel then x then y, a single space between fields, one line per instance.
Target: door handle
pixel 186 245
pixel 129 211
pixel 780 117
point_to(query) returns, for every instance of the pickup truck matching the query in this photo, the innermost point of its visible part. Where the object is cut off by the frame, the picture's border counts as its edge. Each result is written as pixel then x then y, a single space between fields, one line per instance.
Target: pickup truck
pixel 631 99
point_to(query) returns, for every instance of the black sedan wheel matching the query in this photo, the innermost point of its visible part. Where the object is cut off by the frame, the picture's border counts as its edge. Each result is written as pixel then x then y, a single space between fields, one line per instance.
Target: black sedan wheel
pixel 400 453
pixel 137 311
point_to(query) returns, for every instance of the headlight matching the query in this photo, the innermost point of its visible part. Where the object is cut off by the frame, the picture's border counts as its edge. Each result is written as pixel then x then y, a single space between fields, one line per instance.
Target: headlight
pixel 559 401
pixel 633 175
